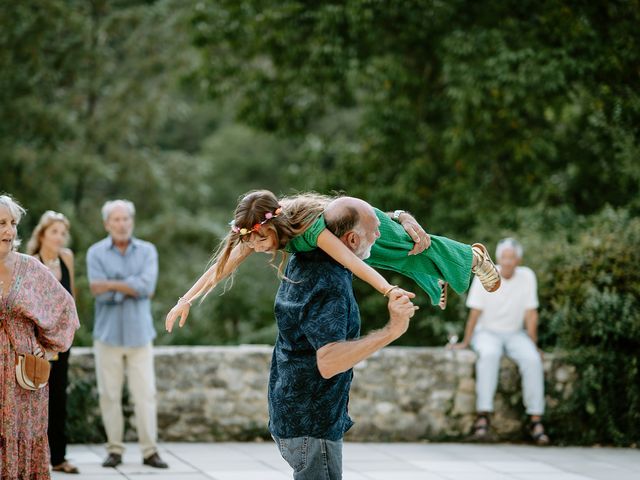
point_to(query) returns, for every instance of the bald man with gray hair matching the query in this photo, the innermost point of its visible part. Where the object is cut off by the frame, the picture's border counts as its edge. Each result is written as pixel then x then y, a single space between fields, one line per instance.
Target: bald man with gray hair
pixel 506 322
pixel 319 343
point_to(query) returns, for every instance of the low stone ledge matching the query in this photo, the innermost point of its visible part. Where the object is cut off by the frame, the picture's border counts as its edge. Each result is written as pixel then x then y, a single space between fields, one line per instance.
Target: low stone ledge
pixel 401 393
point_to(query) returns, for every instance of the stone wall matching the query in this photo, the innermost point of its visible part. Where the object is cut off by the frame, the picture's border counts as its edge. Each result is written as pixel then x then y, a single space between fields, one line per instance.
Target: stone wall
pixel 401 393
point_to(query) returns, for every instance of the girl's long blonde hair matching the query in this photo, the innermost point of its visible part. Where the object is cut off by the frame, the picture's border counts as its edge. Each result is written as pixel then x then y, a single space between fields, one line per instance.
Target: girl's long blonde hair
pixel 47 219
pixel 298 214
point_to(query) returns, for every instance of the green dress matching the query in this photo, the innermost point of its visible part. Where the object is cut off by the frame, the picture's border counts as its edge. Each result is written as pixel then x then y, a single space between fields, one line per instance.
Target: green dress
pixel 445 259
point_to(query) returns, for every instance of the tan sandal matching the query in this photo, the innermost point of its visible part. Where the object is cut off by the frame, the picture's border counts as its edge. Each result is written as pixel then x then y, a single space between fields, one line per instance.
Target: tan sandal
pixel 65 467
pixel 443 294
pixel 485 269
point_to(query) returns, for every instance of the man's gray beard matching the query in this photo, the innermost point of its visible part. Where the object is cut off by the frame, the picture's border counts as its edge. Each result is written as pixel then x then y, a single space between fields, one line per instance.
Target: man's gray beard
pixel 364 255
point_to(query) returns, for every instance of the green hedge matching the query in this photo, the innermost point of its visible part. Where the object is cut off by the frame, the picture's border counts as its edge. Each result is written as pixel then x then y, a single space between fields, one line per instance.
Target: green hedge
pixel 593 295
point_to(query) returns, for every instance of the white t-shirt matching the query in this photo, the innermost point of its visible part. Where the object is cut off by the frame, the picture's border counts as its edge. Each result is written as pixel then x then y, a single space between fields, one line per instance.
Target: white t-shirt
pixel 504 309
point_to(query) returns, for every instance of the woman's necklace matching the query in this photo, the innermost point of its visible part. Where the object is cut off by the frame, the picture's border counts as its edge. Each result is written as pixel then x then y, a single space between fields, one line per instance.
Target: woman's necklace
pixel 55 263
pixel 51 264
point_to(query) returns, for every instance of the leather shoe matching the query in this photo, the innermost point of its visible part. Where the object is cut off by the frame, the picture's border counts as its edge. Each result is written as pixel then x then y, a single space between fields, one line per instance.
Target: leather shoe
pixel 155 461
pixel 113 460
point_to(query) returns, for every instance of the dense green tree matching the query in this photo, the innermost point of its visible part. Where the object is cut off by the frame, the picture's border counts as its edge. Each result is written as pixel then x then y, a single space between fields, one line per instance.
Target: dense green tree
pixel 98 102
pixel 465 108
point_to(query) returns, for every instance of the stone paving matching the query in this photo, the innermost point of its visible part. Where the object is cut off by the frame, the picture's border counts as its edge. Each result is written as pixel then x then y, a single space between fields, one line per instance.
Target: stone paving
pixel 368 461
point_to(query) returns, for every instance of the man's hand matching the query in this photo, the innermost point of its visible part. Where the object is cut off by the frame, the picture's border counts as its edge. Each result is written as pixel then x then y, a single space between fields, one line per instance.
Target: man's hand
pixel 98 287
pixel 400 312
pixel 421 239
pixel 458 346
pixel 402 291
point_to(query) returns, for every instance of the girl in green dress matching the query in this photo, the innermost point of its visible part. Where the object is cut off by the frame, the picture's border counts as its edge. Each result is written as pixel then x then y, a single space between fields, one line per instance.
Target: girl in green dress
pixel 264 223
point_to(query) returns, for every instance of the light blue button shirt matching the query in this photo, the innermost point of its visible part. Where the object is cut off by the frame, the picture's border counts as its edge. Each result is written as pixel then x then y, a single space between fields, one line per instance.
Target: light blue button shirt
pixel 122 320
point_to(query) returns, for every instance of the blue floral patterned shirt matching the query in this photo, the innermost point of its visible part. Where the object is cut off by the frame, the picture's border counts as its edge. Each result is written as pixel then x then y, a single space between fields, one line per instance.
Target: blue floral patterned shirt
pixel 314 307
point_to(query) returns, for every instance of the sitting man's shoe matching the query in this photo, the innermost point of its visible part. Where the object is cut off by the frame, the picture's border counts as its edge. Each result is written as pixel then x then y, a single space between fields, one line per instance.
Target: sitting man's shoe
pixel 113 460
pixel 480 431
pixel 538 435
pixel 155 461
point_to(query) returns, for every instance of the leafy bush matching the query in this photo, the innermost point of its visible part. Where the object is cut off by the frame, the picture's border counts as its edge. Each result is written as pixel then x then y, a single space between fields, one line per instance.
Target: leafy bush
pixel 84 424
pixel 593 300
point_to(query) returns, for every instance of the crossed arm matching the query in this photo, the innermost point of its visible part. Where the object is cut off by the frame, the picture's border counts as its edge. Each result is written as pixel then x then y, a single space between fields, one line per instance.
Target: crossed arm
pixel 139 285
pixel 98 287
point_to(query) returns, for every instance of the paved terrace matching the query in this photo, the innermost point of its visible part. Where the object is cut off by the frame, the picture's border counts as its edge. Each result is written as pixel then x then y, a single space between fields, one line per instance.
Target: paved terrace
pixel 368 461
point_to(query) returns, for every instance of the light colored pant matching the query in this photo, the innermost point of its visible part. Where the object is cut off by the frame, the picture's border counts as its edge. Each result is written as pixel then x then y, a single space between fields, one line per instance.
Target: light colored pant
pixel 518 346
pixel 111 363
pixel 312 458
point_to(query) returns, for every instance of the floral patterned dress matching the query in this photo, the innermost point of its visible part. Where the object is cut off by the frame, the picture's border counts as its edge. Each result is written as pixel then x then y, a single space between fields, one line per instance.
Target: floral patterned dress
pixel 37 309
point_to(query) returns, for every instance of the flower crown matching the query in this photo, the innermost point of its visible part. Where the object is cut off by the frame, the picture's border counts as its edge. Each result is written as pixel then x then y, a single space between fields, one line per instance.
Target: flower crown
pixel 245 231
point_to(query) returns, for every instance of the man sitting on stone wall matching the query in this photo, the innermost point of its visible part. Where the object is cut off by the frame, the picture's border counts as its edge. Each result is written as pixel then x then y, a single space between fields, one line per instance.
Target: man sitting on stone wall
pixel 506 322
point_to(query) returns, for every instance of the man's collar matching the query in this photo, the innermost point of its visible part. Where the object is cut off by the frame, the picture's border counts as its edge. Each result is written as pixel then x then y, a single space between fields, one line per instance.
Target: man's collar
pixel 133 242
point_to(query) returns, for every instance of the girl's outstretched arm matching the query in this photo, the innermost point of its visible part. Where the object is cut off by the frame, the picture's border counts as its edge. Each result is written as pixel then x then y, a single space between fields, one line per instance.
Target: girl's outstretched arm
pixel 205 283
pixel 337 250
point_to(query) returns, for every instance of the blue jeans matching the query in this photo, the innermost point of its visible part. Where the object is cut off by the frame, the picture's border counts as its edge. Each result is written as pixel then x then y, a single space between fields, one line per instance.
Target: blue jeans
pixel 312 458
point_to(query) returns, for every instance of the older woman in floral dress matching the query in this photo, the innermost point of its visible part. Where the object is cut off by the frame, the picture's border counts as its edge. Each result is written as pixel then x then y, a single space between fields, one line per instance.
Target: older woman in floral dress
pixel 38 316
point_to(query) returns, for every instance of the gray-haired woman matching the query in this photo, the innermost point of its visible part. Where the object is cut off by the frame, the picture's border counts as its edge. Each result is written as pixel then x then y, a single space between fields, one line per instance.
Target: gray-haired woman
pixel 37 316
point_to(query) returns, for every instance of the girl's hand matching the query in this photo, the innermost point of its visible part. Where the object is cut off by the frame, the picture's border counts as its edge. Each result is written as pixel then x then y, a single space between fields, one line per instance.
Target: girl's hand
pixel 421 239
pixel 181 309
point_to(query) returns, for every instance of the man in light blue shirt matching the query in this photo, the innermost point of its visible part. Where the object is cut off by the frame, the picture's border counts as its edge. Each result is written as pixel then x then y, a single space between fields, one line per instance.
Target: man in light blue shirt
pixel 123 272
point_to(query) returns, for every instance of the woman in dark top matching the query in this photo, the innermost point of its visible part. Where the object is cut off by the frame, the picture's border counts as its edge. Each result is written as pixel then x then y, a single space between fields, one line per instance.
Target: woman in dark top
pixel 47 243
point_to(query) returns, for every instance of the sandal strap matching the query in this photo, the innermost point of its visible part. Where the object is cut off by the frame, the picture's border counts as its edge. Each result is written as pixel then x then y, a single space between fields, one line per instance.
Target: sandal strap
pixel 541 434
pixel 65 467
pixel 483 428
pixel 443 294
pixel 485 270
pixel 483 416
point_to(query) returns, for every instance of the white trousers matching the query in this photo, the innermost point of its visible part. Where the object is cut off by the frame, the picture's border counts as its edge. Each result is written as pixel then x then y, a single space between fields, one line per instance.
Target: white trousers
pixel 518 346
pixel 111 364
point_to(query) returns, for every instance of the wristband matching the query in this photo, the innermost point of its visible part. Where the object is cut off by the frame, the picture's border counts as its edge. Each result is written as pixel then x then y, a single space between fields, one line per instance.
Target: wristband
pixel 390 289
pixel 182 299
pixel 396 215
